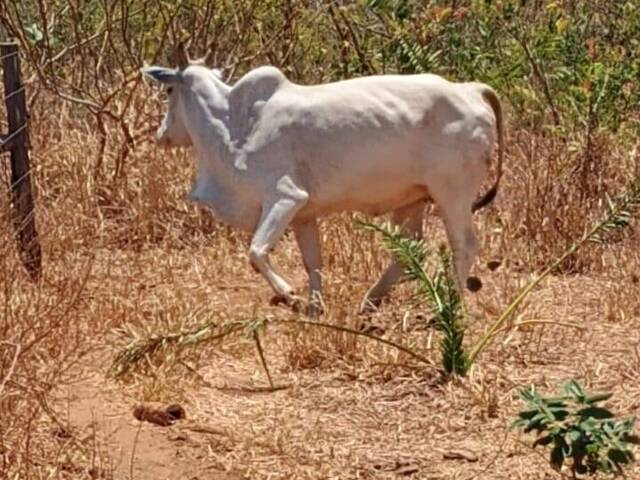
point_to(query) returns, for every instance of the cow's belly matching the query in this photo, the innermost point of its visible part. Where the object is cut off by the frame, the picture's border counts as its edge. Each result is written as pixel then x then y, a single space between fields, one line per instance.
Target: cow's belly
pixel 372 177
pixel 369 201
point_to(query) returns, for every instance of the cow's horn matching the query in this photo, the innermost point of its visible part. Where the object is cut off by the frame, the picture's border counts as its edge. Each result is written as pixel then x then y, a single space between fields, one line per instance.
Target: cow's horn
pixel 181 55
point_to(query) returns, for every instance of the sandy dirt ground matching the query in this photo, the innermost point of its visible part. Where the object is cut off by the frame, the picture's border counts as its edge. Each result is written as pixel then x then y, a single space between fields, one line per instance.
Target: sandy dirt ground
pixel 348 408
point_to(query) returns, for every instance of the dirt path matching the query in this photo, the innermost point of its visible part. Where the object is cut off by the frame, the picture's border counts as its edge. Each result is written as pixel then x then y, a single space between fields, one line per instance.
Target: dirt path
pixel 128 449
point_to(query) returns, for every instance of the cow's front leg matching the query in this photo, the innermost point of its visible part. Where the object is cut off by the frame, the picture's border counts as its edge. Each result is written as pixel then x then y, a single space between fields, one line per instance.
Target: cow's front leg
pixel 308 239
pixel 276 215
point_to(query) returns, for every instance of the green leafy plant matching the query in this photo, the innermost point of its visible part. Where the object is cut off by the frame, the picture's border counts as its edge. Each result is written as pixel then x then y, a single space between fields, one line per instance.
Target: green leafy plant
pixel 578 429
pixel 439 289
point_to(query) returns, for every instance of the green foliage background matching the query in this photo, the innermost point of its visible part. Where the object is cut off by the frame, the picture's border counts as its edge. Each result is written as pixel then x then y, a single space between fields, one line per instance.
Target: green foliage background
pixel 585 51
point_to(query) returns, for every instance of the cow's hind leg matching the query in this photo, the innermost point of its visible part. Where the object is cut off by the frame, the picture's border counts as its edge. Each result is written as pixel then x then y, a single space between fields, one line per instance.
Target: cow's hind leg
pixel 409 219
pixel 308 239
pixel 457 217
pixel 276 215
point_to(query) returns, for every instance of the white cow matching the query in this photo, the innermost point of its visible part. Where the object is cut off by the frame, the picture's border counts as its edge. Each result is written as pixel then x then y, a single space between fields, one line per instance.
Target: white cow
pixel 272 154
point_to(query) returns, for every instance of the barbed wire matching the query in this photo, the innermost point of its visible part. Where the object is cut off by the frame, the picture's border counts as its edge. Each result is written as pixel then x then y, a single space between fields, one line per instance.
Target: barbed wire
pixel 6 140
pixel 15 92
pixel 9 55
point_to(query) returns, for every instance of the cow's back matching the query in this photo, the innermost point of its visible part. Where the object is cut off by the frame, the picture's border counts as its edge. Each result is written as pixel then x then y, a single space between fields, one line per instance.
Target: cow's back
pixel 365 144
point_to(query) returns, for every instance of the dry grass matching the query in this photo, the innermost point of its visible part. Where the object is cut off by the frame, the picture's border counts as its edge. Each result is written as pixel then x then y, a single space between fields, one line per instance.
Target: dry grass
pixel 126 255
pixel 351 408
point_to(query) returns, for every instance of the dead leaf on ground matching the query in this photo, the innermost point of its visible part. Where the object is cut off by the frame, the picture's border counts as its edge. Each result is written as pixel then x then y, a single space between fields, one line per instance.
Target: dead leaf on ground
pixel 407 470
pixel 460 454
pixel 162 417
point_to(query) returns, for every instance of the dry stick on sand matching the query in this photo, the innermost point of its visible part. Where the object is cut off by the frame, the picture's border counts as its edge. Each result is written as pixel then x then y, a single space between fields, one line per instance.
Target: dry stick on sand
pixel 352 331
pixel 133 451
pixel 256 337
pixel 14 362
pixel 620 212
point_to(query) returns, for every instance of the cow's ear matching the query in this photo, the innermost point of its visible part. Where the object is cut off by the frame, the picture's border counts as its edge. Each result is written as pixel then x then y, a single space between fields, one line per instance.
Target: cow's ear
pixel 163 75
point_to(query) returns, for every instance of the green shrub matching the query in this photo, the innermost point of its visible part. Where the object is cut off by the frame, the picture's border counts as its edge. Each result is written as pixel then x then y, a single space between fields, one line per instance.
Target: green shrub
pixel 438 289
pixel 578 429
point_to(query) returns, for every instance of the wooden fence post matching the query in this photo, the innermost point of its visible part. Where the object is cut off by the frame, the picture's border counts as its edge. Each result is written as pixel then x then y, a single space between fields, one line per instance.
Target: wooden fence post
pixel 16 142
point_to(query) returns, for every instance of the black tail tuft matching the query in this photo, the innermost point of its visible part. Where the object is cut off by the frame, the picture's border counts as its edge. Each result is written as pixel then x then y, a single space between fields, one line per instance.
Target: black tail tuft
pixel 485 200
pixel 492 99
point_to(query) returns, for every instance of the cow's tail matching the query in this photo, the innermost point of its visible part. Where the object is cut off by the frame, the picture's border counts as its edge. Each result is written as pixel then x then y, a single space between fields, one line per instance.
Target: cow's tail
pixel 492 99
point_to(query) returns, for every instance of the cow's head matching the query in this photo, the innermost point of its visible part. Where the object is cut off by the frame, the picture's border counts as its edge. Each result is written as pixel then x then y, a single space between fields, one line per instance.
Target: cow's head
pixel 173 131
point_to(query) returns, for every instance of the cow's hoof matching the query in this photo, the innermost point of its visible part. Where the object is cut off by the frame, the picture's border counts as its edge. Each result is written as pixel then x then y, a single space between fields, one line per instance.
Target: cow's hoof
pixel 372 329
pixel 291 301
pixel 314 309
pixel 369 306
pixel 474 284
pixel 278 300
pixel 296 304
pixel 493 265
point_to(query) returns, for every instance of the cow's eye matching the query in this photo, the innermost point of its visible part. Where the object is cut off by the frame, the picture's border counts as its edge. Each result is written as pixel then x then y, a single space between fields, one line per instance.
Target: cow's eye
pixel 169 90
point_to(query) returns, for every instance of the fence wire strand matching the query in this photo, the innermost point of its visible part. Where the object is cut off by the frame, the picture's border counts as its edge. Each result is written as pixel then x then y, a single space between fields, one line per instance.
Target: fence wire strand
pixel 9 55
pixel 13 134
pixel 4 141
pixel 15 92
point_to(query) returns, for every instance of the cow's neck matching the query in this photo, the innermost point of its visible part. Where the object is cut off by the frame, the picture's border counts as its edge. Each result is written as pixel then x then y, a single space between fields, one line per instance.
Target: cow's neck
pixel 219 182
pixel 215 153
pixel 209 133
